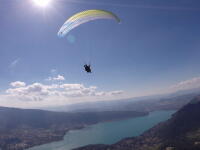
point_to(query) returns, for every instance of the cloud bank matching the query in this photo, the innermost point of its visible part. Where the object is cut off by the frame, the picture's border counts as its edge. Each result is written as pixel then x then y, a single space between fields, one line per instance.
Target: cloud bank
pixel 17 84
pixel 186 85
pixel 21 94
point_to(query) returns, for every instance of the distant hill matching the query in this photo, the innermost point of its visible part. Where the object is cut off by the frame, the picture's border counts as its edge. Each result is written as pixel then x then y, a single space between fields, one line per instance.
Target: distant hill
pixel 152 103
pixel 11 118
pixel 181 132
pixel 23 128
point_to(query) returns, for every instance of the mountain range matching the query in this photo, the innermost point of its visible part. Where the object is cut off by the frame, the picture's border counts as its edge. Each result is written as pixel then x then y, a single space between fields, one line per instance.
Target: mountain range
pixel 150 103
pixel 24 128
pixel 181 132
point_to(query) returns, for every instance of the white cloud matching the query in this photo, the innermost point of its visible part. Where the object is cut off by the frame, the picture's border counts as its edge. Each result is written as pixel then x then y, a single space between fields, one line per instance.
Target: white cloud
pixel 116 92
pixel 190 84
pixel 18 84
pixel 34 91
pixel 37 94
pixel 58 78
pixel 53 94
pixel 72 86
pixel 187 84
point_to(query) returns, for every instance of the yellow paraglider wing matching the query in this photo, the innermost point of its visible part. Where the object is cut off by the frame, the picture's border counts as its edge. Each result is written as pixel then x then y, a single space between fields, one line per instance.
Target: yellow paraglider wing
pixel 83 17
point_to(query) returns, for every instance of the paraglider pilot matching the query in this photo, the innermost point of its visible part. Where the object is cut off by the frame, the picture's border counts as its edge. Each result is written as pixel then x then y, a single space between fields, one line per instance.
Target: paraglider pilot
pixel 87 68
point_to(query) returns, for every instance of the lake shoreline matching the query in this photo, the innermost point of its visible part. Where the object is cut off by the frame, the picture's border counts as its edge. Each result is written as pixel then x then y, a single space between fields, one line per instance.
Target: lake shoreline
pixel 80 128
pixel 27 128
pixel 116 121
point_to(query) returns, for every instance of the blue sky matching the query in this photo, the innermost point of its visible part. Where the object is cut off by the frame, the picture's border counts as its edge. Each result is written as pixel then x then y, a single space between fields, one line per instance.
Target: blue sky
pixel 155 47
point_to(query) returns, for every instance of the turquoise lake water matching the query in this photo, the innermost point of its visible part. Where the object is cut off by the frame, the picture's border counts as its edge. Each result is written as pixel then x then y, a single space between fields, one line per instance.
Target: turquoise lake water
pixel 107 132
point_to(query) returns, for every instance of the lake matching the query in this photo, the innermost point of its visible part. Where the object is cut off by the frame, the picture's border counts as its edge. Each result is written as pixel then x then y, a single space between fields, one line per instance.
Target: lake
pixel 107 132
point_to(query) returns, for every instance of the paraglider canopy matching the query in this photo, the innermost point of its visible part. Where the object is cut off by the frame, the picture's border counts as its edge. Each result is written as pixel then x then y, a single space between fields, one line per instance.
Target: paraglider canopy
pixel 83 17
